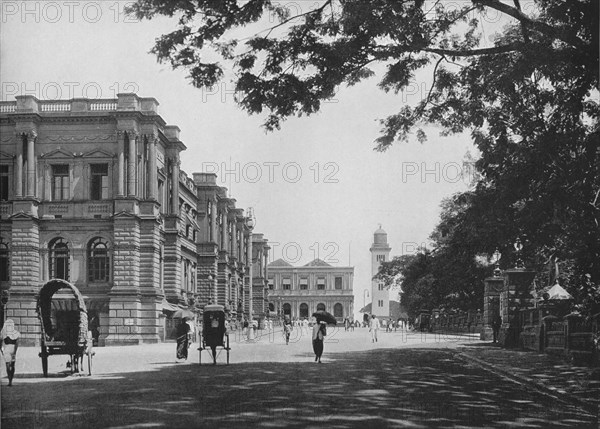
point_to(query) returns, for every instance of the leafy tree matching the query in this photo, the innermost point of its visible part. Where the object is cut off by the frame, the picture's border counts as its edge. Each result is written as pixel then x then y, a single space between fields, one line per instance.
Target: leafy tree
pixel 291 66
pixel 529 98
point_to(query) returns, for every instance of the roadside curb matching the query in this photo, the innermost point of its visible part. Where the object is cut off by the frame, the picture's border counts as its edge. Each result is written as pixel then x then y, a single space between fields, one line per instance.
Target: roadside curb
pixel 530 383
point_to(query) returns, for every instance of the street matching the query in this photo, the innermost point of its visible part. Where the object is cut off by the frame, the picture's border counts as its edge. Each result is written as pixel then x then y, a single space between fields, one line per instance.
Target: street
pixel 403 380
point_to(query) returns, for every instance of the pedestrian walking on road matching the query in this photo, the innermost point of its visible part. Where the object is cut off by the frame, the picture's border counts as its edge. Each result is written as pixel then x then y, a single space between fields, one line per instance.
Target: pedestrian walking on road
pixel 9 346
pixel 374 328
pixel 287 327
pixel 183 339
pixel 496 323
pixel 319 333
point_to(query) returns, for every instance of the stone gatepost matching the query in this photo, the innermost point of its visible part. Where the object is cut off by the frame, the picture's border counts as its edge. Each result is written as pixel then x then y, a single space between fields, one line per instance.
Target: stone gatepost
pixel 493 286
pixel 516 294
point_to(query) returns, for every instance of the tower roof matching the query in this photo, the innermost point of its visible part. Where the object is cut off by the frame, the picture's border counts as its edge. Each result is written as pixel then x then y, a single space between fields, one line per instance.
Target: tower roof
pixel 380 239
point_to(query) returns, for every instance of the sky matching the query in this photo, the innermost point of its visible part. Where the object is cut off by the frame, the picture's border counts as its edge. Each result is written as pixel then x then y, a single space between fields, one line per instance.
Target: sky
pixel 317 187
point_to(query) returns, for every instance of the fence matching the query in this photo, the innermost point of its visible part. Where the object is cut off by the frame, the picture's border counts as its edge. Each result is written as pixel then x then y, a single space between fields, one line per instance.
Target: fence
pixel 572 335
pixel 461 322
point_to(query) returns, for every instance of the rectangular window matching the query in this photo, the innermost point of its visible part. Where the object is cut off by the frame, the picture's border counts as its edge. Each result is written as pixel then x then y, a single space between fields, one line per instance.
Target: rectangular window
pixel 99 182
pixel 161 194
pixel 381 286
pixel 338 283
pixel 4 181
pixel 4 262
pixel 303 284
pixel 60 182
pixel 287 284
pixel 380 258
pixel 271 287
pixel 380 302
pixel 320 284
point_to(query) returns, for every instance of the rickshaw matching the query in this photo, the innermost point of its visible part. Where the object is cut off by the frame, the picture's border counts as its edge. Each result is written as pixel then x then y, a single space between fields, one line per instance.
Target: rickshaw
pixel 214 333
pixel 64 322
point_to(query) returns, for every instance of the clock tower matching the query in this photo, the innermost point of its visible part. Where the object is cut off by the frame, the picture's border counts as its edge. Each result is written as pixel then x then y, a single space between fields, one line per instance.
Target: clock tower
pixel 380 252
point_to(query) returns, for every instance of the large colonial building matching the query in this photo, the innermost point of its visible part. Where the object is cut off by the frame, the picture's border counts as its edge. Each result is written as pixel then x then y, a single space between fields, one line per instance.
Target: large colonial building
pixel 298 292
pixel 380 252
pixel 92 192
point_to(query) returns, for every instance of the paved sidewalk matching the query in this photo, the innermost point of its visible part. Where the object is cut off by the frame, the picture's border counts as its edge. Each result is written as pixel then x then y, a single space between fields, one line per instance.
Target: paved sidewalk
pixel 548 374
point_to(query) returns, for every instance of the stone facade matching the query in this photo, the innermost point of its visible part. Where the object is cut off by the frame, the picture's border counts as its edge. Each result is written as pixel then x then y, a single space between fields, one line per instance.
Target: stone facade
pixel 298 292
pixel 92 192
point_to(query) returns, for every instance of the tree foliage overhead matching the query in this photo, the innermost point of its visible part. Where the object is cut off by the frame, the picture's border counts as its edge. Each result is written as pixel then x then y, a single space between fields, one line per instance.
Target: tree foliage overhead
pixel 527 91
pixel 302 58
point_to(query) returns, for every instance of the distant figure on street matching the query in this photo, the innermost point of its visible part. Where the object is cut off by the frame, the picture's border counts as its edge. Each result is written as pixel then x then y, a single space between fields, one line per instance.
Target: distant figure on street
pixel 287 328
pixel 245 331
pixel 183 339
pixel 192 331
pixel 9 346
pixel 496 323
pixel 319 333
pixel 374 328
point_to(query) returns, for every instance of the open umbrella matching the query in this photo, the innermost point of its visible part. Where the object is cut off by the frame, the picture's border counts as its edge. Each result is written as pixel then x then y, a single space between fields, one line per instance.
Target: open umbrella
pixel 558 292
pixel 181 313
pixel 324 316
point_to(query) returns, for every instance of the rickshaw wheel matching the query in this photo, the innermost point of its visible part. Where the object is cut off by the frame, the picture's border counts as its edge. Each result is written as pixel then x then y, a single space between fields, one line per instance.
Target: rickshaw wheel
pixel 89 355
pixel 45 364
pixel 227 349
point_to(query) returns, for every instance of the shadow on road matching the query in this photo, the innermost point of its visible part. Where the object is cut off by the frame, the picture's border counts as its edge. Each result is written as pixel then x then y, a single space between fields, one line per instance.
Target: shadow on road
pixel 380 388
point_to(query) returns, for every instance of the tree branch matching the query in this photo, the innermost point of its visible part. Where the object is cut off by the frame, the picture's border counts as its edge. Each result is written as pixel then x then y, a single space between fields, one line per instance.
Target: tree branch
pixel 532 23
pixel 475 52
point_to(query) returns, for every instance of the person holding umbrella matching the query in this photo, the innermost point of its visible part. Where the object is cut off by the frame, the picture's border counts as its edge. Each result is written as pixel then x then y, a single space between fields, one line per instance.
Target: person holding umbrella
pixel 320 331
pixel 183 339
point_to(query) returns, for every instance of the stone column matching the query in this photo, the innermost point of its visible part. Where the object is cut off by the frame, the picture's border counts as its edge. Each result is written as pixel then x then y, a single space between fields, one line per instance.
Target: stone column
pixel 25 278
pixel 224 238
pixel 31 163
pixel 124 305
pixel 121 166
pixel 131 165
pixel 175 184
pixel 234 244
pixel 516 294
pixel 214 226
pixel 19 167
pixel 153 176
pixel 250 275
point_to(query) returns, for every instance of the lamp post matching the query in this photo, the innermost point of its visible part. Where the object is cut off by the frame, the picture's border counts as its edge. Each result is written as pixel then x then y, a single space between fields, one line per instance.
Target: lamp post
pixel 519 247
pixel 280 311
pixel 210 289
pixel 250 225
pixel 496 260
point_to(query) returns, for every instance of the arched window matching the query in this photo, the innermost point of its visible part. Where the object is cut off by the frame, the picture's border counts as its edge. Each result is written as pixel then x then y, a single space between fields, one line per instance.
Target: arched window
pixel 287 309
pixel 338 310
pixel 303 310
pixel 4 261
pixel 98 261
pixel 58 259
pixel 320 307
